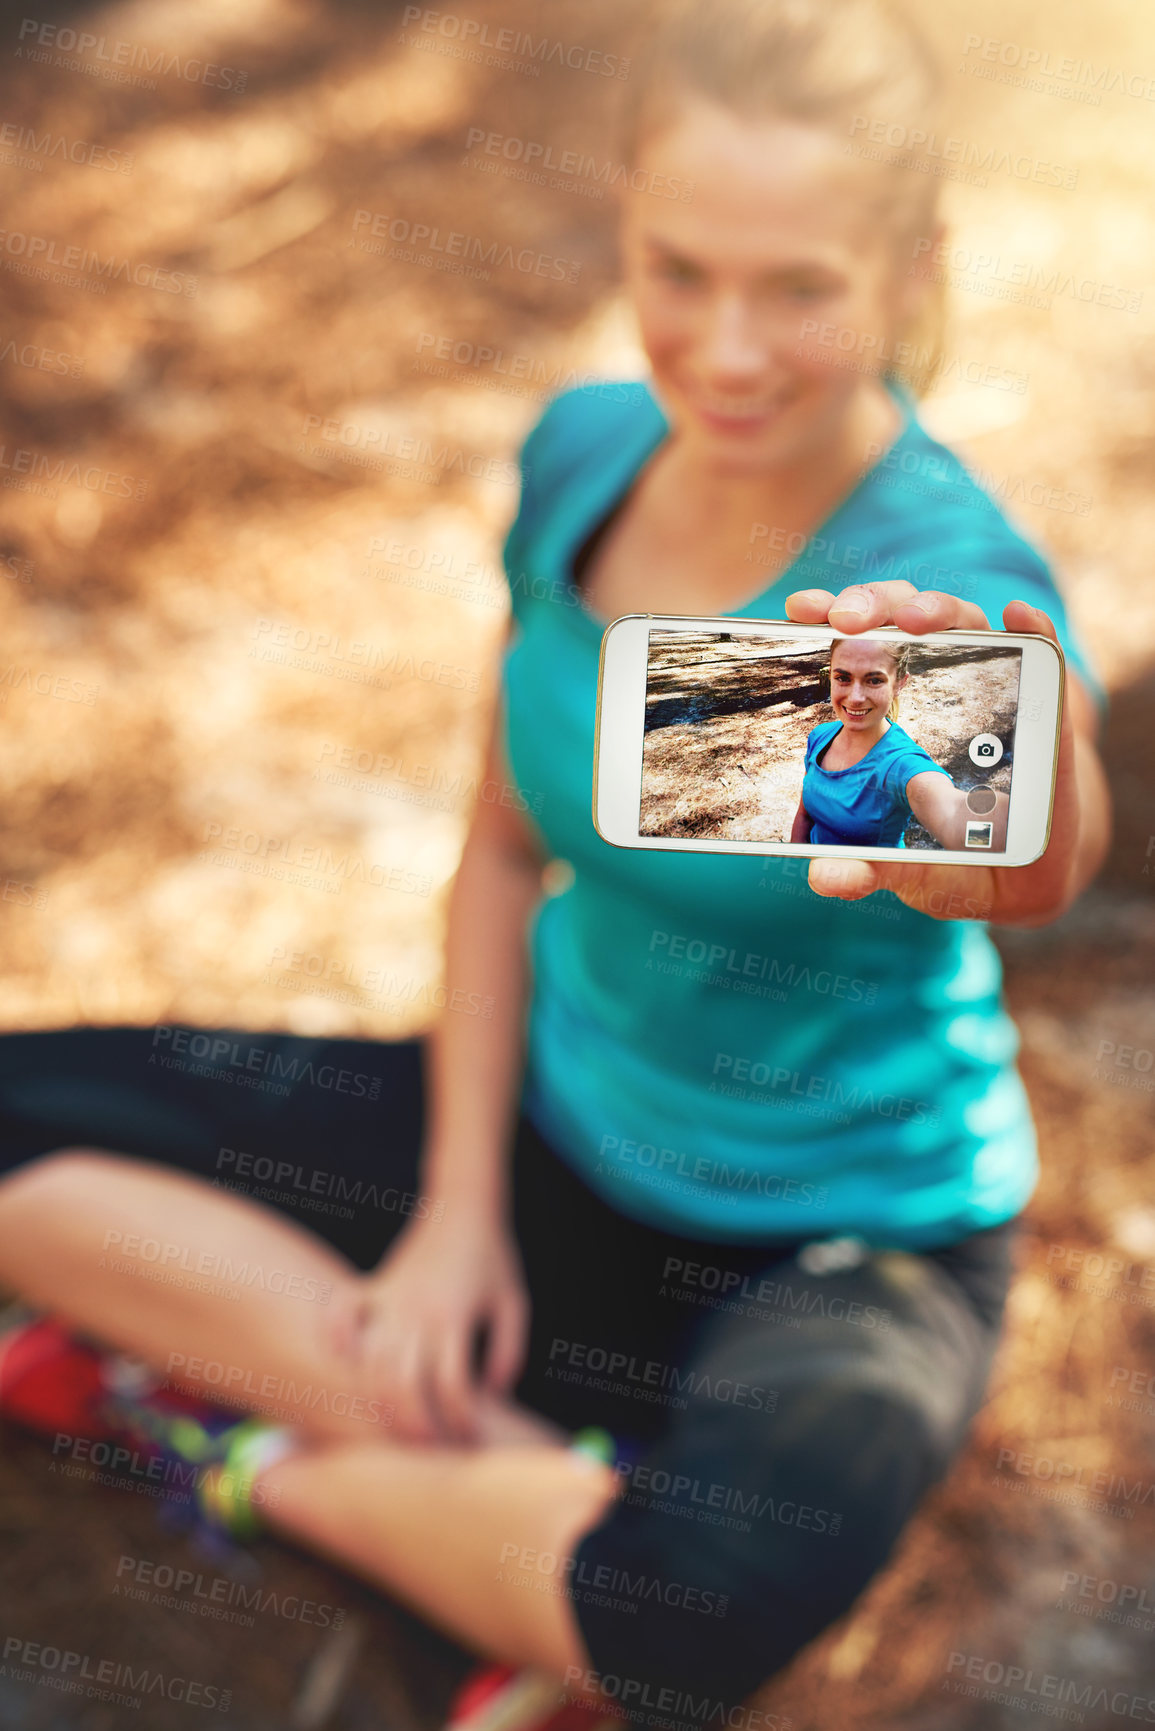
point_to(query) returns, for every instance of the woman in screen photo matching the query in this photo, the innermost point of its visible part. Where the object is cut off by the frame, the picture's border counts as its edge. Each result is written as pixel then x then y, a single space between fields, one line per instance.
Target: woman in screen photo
pixel 865 777
pixel 539 1430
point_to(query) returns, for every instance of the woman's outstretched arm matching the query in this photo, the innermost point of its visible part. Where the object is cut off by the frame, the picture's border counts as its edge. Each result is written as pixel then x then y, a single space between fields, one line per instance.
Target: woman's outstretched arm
pixel 942 810
pixel 1030 895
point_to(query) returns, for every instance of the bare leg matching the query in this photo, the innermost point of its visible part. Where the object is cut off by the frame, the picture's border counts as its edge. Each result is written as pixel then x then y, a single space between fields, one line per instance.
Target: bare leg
pixel 444 1530
pixel 78 1233
pixel 228 1299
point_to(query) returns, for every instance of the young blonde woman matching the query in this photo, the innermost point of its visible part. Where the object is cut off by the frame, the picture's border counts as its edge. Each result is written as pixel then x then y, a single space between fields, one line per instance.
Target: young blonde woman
pixel 864 777
pixel 781 1297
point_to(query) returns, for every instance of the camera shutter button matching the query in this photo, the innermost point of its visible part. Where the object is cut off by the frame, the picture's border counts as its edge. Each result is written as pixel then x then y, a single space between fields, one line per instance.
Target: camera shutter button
pixel 985 749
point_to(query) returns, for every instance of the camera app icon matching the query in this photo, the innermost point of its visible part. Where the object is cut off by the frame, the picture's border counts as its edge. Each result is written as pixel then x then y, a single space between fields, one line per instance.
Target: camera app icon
pixel 985 749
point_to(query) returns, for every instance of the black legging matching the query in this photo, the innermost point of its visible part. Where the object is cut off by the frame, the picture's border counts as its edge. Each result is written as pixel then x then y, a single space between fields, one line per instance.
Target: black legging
pixel 777 1425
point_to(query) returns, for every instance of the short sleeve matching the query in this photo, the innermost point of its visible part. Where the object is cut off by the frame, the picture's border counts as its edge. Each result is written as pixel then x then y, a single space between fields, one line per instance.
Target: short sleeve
pixel 1018 573
pixel 911 760
pixel 542 462
pixel 515 549
pixel 964 542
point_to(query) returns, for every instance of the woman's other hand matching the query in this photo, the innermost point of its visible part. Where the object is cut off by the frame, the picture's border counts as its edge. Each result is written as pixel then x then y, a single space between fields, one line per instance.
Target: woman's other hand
pixel 413 1335
pixel 1080 828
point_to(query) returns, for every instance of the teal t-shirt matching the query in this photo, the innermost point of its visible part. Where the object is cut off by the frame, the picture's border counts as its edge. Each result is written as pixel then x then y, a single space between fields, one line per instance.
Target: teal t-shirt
pixel 865 805
pixel 713 1048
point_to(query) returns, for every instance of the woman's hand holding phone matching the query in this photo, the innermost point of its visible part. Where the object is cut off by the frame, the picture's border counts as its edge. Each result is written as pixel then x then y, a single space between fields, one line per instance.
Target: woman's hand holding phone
pixel 1022 895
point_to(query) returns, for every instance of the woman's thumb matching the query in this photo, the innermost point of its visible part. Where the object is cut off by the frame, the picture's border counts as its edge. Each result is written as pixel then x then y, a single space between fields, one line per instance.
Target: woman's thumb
pixel 847 879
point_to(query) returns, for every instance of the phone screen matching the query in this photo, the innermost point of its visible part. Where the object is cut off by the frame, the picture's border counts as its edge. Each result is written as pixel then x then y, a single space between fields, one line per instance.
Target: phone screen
pixel 843 741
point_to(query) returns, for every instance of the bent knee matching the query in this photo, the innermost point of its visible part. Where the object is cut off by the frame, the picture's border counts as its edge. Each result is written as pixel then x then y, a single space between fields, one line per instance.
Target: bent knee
pixel 65 1174
pixel 769 1551
pixel 42 1206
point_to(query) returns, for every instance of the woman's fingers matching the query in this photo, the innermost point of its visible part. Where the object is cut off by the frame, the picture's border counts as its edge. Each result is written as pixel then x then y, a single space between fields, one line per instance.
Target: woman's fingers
pixel 426 1372
pixel 1021 616
pixel 809 606
pixel 401 1363
pixel 345 1324
pixel 508 1330
pixel 934 610
pixel 452 1387
pixel 416 1416
pixel 861 607
pixel 866 606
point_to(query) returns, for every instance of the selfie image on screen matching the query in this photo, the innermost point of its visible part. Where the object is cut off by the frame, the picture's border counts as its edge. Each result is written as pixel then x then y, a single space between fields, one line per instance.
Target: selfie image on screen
pixel 852 742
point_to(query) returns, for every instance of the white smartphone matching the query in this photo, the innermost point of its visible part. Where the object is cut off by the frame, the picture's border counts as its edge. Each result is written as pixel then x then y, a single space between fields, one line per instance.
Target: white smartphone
pixel 758 736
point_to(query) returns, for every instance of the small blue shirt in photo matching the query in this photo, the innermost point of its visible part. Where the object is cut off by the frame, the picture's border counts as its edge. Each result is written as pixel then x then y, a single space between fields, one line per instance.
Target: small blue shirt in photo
pixel 865 805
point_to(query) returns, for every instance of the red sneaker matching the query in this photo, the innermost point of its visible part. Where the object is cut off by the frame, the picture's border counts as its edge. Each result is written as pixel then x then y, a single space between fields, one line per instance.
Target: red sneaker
pixel 49 1382
pixel 52 1381
pixel 498 1698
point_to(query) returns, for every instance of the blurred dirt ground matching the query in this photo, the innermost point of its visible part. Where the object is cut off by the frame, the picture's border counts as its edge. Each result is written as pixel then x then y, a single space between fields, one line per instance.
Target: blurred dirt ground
pixel 255 477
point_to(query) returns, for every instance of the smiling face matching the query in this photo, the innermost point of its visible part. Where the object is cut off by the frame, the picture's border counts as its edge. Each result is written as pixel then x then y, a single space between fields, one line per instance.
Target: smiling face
pixel 863 685
pixel 779 248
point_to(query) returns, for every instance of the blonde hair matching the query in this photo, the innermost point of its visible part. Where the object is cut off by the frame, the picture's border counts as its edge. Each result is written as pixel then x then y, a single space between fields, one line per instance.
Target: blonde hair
pixel 901 657
pixel 841 65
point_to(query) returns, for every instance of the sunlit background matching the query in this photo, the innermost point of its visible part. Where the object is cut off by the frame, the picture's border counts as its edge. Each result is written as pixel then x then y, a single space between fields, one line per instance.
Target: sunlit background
pixel 255 477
